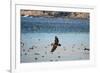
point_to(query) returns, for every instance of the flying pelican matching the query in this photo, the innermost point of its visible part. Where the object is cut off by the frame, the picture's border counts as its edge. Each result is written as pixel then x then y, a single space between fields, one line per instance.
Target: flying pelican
pixel 55 44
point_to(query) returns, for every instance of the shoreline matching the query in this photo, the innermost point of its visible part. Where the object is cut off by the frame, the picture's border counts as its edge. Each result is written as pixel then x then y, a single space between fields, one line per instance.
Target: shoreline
pixel 54 14
pixel 55 17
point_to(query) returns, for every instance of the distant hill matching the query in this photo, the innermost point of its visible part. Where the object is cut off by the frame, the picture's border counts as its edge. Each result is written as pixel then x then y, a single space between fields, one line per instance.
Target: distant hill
pixel 83 15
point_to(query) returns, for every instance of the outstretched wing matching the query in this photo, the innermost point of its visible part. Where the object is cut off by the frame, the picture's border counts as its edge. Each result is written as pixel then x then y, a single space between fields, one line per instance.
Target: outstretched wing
pixel 56 43
pixel 56 40
pixel 53 48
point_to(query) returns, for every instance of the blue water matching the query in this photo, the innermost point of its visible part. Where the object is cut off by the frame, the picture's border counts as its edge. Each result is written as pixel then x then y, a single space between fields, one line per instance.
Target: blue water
pixel 53 25
pixel 40 32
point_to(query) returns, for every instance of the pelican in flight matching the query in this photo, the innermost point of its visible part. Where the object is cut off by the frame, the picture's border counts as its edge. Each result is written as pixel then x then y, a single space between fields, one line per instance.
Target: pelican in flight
pixel 55 44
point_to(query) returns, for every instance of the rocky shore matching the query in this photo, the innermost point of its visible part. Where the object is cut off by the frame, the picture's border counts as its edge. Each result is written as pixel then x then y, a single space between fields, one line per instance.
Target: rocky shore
pixel 81 15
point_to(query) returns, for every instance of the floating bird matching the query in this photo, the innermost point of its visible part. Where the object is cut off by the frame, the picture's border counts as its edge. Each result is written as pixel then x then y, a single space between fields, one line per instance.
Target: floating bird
pixel 55 44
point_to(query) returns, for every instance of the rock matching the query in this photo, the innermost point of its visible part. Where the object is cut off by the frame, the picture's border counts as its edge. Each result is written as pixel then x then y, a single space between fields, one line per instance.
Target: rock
pixel 45 47
pixel 39 39
pixel 28 50
pixel 31 48
pixel 23 50
pixel 37 53
pixel 58 56
pixel 73 46
pixel 21 54
pixel 36 58
pixel 64 49
pixel 43 56
pixel 78 48
pixel 73 50
pixel 25 53
pixel 35 46
pixel 45 52
pixel 22 43
pixel 51 60
pixel 87 49
pixel 81 44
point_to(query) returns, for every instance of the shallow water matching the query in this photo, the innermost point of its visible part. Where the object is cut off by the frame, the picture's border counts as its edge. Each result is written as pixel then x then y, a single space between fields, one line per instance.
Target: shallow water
pixel 37 47
pixel 37 34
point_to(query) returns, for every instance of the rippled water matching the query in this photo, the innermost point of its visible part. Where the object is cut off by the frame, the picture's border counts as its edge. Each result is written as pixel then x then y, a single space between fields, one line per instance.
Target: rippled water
pixel 53 25
pixel 36 40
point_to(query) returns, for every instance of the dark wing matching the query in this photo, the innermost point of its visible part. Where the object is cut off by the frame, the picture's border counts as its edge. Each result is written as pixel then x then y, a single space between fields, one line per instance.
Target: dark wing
pixel 56 40
pixel 53 48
